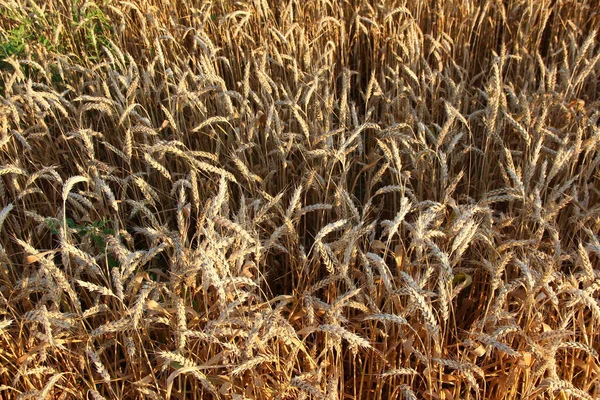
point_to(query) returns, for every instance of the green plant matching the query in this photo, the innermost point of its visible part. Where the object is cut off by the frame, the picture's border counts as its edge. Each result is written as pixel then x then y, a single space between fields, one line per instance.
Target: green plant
pixel 96 231
pixel 14 42
pixel 27 29
pixel 94 25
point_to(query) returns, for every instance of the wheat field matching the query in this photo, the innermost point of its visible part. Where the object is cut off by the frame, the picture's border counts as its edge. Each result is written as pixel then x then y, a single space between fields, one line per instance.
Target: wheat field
pixel 321 199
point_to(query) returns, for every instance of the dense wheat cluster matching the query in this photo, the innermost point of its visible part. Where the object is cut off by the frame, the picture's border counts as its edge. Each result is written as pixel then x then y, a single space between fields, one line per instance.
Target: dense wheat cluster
pixel 319 199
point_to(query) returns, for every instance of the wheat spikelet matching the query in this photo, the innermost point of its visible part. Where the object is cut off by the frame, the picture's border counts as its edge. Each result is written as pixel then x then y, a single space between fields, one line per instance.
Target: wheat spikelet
pixel 301 121
pixel 555 385
pixel 353 339
pixel 181 323
pixel 391 227
pixel 399 371
pixel 589 272
pixel 139 304
pixel 117 282
pixel 347 200
pixel 463 238
pixel 583 49
pixel 143 129
pixel 50 385
pixel 586 299
pixel 210 168
pixel 120 325
pixel 329 228
pixel 4 213
pixel 116 151
pixel 314 207
pixel 234 227
pixel 96 288
pixel 187 366
pixel 95 310
pixel 407 392
pixel 99 366
pixel 103 186
pixel 245 171
pixel 170 118
pixel 384 271
pixel 95 395
pixel 465 368
pixel 140 207
pixel 5 324
pixel 252 364
pixel 210 121
pixel 328 257
pixel 149 193
pixel 343 300
pixel 308 388
pixel 101 107
pixel 80 256
pixel 387 318
pixel 61 280
pixel 126 113
pixel 580 346
pixel 426 311
pixel 41 315
pixel 11 169
pixel 72 181
pixel 159 52
pixel 295 202
pixel 490 341
pixel 157 166
pixel 389 189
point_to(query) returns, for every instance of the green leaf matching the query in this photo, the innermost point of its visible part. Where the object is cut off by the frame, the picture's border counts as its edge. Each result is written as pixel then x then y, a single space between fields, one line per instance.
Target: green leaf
pixel 112 262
